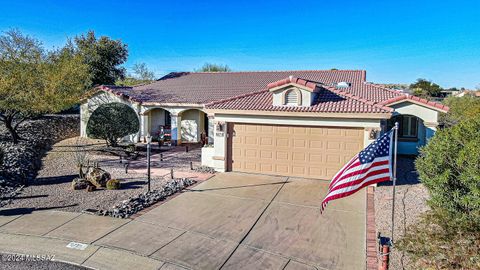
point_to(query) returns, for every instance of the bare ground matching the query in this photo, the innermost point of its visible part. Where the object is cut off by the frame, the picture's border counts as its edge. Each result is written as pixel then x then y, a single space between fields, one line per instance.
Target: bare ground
pixel 52 187
pixel 410 202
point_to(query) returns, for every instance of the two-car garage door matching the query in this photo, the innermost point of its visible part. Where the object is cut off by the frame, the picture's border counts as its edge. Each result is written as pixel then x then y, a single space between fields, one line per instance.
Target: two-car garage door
pixel 312 152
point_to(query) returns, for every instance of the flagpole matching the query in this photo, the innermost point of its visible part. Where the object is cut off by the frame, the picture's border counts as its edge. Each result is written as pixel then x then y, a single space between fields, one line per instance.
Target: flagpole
pixel 394 181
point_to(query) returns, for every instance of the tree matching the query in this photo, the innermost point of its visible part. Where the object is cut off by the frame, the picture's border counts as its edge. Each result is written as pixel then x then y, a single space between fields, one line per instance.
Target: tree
pixel 112 122
pixel 448 235
pixel 103 57
pixel 141 75
pixel 208 67
pixel 35 82
pixel 461 108
pixel 425 88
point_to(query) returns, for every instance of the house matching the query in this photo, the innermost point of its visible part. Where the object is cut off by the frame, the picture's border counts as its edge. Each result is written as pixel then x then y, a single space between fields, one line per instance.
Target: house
pixel 296 123
pixel 472 93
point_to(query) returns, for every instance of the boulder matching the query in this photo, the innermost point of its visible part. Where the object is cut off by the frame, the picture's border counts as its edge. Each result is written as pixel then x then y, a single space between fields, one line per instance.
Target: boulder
pixel 78 184
pixel 98 177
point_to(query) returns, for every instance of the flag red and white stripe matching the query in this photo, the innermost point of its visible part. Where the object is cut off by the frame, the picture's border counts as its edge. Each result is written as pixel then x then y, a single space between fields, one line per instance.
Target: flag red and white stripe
pixel 370 166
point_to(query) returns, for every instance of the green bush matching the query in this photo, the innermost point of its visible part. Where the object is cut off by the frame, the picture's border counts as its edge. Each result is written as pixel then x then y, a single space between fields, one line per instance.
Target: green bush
pixel 448 235
pixel 449 166
pixel 461 108
pixel 113 184
pixel 112 122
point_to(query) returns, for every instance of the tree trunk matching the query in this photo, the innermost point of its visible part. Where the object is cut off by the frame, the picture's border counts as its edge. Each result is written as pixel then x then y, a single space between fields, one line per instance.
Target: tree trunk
pixel 12 130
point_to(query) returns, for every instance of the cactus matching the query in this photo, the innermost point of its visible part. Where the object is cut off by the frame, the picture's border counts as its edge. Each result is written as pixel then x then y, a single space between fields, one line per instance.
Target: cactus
pixel 113 184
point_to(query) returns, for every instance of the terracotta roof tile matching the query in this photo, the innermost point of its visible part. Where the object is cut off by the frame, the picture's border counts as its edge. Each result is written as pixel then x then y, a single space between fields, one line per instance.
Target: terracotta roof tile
pixel 204 87
pixel 327 101
pixel 417 99
pixel 249 90
pixel 302 82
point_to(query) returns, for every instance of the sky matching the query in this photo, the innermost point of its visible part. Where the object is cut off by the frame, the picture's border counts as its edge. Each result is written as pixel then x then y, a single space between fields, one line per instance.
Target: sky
pixel 395 41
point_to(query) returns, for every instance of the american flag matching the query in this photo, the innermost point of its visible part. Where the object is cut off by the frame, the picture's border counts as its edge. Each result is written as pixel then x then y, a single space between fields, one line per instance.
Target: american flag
pixel 372 165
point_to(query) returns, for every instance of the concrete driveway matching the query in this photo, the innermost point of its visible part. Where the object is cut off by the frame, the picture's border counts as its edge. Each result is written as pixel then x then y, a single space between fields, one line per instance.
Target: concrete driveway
pixel 232 221
pixel 248 221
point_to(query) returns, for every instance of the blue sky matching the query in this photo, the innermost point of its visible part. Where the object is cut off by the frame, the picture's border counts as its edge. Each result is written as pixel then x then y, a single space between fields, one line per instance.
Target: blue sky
pixel 395 41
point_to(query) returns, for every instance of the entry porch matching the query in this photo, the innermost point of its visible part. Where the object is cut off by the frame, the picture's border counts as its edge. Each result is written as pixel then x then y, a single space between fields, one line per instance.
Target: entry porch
pixel 175 126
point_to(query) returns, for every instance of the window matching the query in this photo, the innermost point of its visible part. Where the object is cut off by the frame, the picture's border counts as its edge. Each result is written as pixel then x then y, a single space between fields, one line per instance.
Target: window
pixel 407 126
pixel 291 97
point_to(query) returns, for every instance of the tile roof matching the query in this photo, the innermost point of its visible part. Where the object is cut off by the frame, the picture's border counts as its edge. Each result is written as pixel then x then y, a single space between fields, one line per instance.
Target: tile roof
pixel 291 79
pixel 417 99
pixel 329 100
pixel 249 91
pixel 205 87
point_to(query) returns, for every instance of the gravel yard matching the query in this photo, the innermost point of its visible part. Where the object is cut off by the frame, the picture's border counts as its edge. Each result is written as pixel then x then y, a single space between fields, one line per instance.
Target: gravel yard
pixel 52 187
pixel 410 202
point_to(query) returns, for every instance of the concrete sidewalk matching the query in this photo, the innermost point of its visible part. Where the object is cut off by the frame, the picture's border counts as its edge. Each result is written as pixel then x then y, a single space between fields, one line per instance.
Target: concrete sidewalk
pixel 232 221
pixel 47 233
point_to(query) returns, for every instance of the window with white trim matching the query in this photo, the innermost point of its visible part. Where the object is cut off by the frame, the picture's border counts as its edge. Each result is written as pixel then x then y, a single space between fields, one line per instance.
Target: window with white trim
pixel 291 98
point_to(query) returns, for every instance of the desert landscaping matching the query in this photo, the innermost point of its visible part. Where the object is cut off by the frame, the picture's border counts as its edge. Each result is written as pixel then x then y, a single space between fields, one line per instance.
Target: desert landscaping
pixel 56 185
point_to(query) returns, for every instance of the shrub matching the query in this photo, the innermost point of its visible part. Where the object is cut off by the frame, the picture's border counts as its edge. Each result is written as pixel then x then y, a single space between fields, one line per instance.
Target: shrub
pixel 113 184
pixel 130 149
pixel 448 235
pixel 460 108
pixel 112 122
pixel 449 168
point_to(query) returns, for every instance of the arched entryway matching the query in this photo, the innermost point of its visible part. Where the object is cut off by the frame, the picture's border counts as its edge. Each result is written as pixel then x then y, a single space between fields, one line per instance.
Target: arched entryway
pixel 194 126
pixel 411 133
pixel 159 119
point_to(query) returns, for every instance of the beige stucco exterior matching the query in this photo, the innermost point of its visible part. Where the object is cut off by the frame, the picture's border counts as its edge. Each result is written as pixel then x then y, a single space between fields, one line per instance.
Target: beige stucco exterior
pixel 426 128
pixel 188 121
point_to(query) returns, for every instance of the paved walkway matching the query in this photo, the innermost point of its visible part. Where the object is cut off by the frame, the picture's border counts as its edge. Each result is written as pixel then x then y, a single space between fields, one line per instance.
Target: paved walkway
pixel 232 221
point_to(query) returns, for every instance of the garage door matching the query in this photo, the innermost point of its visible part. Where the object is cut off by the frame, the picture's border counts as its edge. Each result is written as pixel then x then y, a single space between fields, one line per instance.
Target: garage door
pixel 312 152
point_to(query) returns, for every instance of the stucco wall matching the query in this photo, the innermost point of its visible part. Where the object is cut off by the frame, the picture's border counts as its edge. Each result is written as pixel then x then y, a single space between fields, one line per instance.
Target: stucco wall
pixel 156 119
pixel 426 114
pixel 426 127
pixel 192 125
pixel 176 114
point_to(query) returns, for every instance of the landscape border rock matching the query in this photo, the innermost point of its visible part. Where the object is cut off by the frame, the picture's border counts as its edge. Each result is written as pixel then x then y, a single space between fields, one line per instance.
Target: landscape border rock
pixel 205 169
pixel 131 206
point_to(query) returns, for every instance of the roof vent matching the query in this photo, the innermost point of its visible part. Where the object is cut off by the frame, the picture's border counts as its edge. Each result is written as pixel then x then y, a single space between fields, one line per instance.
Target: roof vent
pixel 343 85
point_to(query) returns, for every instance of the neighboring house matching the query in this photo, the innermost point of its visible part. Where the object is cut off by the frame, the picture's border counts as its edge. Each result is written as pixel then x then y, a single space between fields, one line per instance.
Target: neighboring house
pixel 473 93
pixel 296 123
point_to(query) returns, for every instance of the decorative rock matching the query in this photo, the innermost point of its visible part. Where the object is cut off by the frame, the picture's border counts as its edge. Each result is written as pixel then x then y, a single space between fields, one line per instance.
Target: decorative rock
pixel 205 169
pixel 98 177
pixel 78 184
pixel 8 192
pixel 126 208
